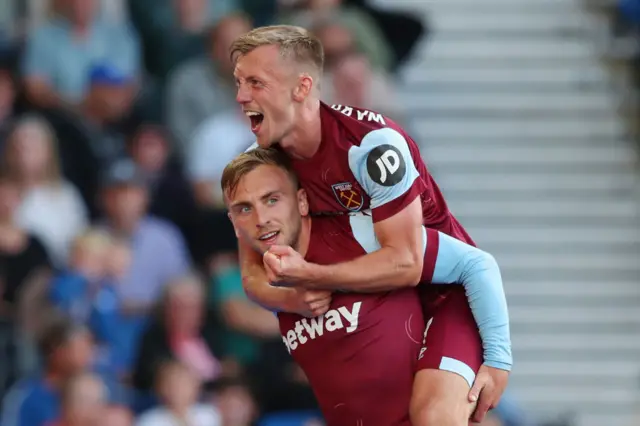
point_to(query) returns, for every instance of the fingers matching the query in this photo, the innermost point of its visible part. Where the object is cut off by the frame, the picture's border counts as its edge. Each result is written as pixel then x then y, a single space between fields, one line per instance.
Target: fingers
pixel 272 260
pixel 318 302
pixel 319 308
pixel 272 266
pixel 484 405
pixel 474 392
pixel 312 296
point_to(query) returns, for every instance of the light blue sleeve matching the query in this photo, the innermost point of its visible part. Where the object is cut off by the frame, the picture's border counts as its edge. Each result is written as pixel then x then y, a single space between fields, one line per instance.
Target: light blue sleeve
pixel 37 61
pixel 252 147
pixel 479 273
pixel 383 166
pixel 125 51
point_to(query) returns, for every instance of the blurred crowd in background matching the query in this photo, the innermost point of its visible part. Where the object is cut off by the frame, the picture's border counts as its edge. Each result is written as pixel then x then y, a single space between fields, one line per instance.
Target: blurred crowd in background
pixel 122 302
pixel 625 49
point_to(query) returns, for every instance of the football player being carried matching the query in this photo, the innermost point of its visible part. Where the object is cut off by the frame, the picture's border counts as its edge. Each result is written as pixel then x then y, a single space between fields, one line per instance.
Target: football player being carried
pixel 360 356
pixel 353 163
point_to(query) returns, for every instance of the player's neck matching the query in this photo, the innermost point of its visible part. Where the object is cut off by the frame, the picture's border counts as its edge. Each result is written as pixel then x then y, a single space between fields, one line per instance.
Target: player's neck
pixel 305 236
pixel 305 138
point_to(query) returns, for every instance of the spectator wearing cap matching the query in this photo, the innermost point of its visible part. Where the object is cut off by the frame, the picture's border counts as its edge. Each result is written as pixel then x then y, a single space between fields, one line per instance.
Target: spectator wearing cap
pixel 171 195
pixel 158 249
pixel 66 350
pixel 59 54
pixel 106 110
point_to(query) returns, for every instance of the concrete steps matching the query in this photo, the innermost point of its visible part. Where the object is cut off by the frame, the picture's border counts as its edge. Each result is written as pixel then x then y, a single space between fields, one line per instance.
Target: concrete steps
pixel 518 122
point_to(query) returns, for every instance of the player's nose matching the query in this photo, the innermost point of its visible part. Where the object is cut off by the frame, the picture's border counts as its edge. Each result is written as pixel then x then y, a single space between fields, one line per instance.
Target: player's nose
pixel 262 221
pixel 243 95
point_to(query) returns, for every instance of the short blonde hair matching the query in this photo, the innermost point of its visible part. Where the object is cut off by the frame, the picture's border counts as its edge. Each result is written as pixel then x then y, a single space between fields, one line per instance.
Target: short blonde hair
pixel 295 43
pixel 93 239
pixel 248 161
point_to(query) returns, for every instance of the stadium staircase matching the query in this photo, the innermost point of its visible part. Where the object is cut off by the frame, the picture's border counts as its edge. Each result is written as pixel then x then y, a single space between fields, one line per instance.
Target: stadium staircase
pixel 518 124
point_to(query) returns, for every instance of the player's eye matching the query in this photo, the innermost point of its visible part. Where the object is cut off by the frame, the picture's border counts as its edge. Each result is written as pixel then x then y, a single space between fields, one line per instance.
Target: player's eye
pixel 272 201
pixel 245 209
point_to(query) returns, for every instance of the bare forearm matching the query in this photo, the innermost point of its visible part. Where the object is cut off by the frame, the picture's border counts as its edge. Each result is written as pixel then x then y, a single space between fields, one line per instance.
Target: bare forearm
pixel 261 292
pixel 383 270
pixel 250 319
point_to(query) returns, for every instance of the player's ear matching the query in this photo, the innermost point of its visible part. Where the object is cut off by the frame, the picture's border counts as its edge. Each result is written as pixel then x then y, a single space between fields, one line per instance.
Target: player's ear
pixel 303 88
pixel 303 202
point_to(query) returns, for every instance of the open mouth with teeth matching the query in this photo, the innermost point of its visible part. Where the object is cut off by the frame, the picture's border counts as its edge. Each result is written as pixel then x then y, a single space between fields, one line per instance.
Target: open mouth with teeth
pixel 256 120
pixel 270 237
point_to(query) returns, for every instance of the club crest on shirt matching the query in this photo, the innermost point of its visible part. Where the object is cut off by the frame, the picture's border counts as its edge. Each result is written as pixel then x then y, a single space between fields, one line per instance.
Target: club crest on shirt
pixel 348 196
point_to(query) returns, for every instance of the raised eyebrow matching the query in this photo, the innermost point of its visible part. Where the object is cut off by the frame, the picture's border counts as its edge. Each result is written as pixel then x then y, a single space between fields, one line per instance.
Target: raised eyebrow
pixel 270 194
pixel 239 204
pixel 247 204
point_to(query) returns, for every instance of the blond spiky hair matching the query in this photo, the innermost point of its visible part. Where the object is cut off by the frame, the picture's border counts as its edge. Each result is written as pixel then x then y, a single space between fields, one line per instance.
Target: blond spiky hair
pixel 295 43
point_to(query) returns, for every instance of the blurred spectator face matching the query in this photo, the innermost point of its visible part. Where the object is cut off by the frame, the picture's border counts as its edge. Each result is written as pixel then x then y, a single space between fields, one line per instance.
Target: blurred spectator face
pixel 236 406
pixel 7 91
pixel 266 208
pixel 351 79
pixel 119 259
pixel 323 4
pixel 125 204
pixel 80 12
pixel 30 153
pixel 184 309
pixel 111 101
pixel 191 13
pixel 337 42
pixel 90 255
pixel 222 36
pixel 75 355
pixel 150 149
pixel 9 199
pixel 84 401
pixel 178 387
pixel 116 416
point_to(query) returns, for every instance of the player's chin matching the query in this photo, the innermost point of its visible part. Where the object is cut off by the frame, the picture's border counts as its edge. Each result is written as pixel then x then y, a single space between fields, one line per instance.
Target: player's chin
pixel 263 141
pixel 263 137
pixel 261 247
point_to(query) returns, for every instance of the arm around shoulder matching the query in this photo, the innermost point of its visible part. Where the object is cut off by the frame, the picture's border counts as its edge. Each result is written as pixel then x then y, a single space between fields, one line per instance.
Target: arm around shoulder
pixel 256 284
pixel 395 260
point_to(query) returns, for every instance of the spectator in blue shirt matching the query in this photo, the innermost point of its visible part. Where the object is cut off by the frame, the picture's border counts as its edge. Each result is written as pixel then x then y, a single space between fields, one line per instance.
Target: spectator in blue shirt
pixel 59 55
pixel 87 293
pixel 74 290
pixel 158 250
pixel 66 350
